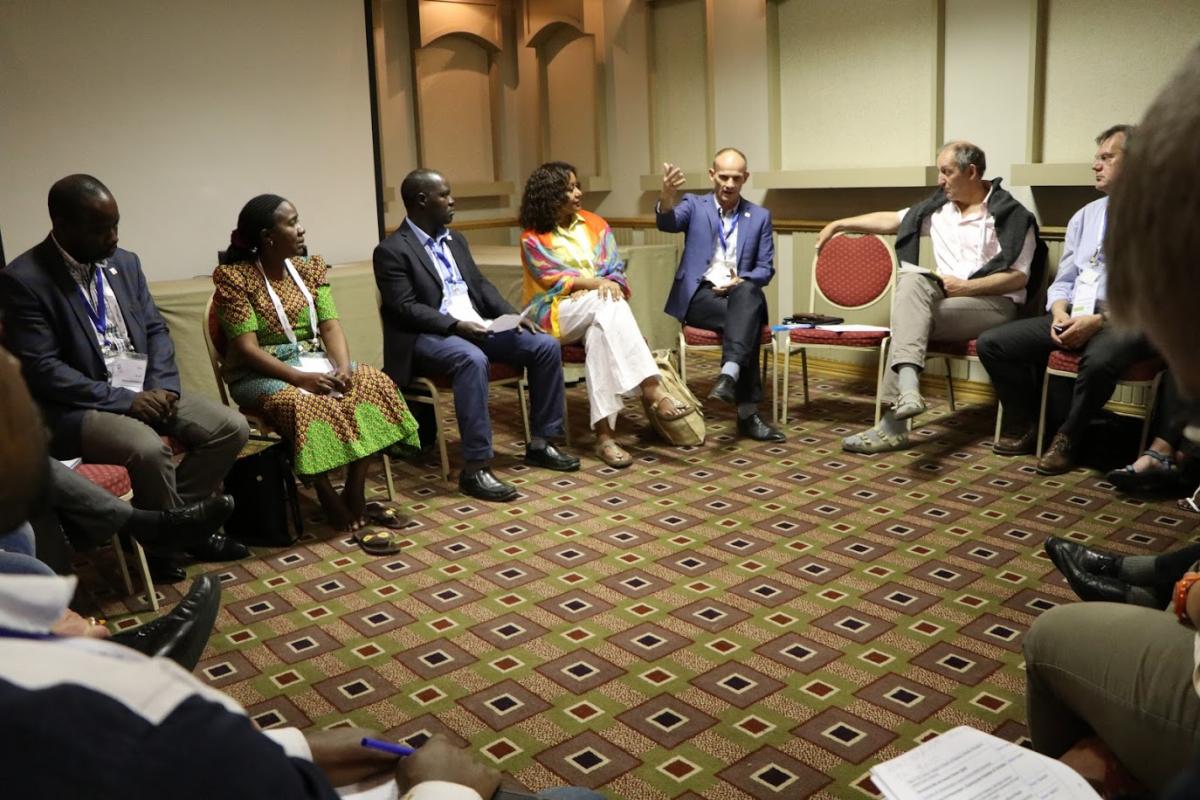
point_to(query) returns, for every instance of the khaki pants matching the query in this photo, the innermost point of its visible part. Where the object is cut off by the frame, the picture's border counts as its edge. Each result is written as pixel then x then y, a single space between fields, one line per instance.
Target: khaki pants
pixel 212 433
pixel 1122 672
pixel 920 313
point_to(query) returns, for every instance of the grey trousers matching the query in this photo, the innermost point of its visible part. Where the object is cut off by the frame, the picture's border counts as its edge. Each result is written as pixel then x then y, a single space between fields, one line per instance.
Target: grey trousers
pixel 920 313
pixel 86 512
pixel 213 434
pixel 1121 672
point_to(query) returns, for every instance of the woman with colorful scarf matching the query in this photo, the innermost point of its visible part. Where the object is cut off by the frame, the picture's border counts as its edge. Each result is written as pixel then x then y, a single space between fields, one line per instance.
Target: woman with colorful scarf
pixel 575 288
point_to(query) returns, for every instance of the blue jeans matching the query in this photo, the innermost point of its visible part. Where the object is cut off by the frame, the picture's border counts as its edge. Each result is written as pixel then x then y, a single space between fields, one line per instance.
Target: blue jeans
pixel 16 553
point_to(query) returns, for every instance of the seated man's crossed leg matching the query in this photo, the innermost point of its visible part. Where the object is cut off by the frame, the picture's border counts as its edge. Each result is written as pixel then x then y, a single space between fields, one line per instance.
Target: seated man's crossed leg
pixel 921 313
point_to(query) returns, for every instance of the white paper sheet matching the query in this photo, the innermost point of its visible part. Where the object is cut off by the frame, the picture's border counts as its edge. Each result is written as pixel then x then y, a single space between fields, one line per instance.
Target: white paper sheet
pixel 505 323
pixel 850 328
pixel 967 764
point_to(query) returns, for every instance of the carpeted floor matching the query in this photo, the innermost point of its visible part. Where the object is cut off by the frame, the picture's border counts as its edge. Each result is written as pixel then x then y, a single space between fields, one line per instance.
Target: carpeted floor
pixel 731 621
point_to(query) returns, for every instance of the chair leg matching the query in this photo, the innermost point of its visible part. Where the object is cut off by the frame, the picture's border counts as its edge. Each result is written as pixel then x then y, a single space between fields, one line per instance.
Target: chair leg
pixel 682 359
pixel 524 409
pixel 440 423
pixel 804 371
pixel 566 418
pixel 1041 429
pixel 949 383
pixel 999 419
pixel 763 380
pixel 785 388
pixel 387 476
pixel 124 567
pixel 147 581
pixel 1150 401
pixel 883 347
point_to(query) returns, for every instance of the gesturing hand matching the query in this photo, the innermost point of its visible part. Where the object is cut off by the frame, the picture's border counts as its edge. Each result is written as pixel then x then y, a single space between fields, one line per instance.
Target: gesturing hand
pixel 439 760
pixel 724 290
pixel 672 180
pixel 470 329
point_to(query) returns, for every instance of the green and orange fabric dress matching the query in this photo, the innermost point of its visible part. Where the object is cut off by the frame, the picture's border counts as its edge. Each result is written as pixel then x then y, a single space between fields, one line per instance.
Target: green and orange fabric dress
pixel 326 432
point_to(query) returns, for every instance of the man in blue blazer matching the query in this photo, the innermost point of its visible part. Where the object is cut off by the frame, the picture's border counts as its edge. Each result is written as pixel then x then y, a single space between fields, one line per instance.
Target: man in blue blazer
pixel 728 258
pixel 98 359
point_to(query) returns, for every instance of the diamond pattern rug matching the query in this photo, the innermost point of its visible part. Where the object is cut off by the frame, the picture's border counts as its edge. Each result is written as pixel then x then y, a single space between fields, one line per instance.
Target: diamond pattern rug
pixel 738 620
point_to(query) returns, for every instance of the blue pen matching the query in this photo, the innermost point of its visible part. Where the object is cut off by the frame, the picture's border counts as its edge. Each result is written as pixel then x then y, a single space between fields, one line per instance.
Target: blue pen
pixel 387 747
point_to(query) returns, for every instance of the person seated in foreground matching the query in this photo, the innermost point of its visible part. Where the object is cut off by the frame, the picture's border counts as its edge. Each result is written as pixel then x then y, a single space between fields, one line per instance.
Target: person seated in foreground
pixel 288 360
pixel 575 288
pixel 99 360
pixel 437 310
pixel 986 251
pixel 1015 354
pixel 728 259
pixel 88 714
pixel 1124 673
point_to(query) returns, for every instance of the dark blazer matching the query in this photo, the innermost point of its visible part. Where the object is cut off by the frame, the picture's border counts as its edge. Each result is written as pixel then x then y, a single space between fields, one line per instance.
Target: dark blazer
pixel 696 216
pixel 46 326
pixel 410 291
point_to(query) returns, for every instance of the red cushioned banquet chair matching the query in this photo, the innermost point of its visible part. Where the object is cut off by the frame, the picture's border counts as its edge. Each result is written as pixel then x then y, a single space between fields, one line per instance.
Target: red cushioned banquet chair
pixel 849 273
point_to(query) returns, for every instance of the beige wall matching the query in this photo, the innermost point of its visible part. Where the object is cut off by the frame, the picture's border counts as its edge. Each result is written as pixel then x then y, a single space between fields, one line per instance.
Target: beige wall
pixel 186 110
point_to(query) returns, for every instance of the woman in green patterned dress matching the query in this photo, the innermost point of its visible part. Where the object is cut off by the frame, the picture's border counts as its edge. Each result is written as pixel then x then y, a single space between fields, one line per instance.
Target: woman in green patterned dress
pixel 288 360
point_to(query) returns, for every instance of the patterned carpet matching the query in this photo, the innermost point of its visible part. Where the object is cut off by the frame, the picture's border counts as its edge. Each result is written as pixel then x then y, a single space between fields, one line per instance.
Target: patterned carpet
pixel 731 621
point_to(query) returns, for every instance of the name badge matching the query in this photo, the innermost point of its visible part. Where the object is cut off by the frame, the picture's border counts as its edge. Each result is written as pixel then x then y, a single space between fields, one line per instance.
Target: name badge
pixel 1084 303
pixel 313 363
pixel 127 371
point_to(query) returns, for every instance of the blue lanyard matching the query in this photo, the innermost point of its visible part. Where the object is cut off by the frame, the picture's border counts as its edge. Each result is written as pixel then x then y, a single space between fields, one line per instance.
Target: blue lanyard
pixel 436 248
pixel 99 314
pixel 725 234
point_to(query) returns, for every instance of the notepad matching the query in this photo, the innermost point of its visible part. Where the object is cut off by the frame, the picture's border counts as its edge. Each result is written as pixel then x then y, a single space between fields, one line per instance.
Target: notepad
pixel 967 764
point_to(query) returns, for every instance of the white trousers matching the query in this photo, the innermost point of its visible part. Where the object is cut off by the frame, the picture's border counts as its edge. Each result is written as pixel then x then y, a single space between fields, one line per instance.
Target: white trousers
pixel 618 359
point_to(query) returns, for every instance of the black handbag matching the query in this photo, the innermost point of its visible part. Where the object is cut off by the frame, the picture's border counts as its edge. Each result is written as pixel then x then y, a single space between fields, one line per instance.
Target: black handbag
pixel 265 495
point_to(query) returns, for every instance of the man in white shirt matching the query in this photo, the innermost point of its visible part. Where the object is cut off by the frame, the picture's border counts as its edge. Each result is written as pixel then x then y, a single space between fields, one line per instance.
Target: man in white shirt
pixel 985 251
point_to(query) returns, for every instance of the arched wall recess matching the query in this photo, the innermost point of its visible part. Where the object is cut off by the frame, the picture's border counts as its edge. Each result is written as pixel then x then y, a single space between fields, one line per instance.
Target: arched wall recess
pixel 457 46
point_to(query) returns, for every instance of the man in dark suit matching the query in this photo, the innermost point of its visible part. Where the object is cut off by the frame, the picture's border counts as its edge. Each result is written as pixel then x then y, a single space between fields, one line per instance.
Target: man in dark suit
pixel 436 308
pixel 98 359
pixel 728 258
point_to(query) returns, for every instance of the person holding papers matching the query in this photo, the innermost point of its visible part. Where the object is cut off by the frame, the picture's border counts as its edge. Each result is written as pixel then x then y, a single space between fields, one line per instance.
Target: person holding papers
pixel 99 360
pixel 575 287
pixel 288 360
pixel 1015 354
pixel 439 313
pixel 986 251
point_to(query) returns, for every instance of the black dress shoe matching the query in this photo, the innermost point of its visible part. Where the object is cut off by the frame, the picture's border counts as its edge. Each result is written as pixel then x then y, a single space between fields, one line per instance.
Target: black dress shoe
pixel 181 528
pixel 484 485
pixel 219 547
pixel 754 427
pixel 163 569
pixel 181 634
pixel 723 389
pixel 1092 587
pixel 550 457
pixel 1021 444
pixel 1093 562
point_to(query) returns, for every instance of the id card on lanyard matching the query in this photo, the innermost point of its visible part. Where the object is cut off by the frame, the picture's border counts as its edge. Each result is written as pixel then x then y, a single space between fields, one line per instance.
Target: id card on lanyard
pixel 458 300
pixel 279 311
pixel 1087 285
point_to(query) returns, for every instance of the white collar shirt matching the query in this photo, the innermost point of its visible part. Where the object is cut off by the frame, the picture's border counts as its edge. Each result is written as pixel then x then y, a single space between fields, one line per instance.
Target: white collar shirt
pixel 722 267
pixel 963 243
pixel 453 284
pixel 115 338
